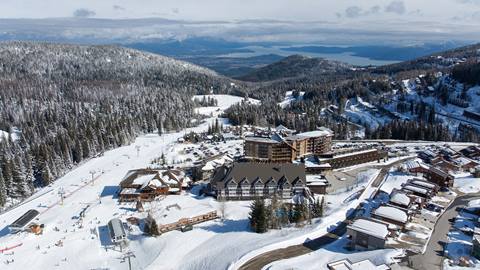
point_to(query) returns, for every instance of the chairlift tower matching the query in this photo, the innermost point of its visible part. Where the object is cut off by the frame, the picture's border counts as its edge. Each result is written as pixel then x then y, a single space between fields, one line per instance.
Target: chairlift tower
pixel 61 193
pixel 128 255
pixel 92 172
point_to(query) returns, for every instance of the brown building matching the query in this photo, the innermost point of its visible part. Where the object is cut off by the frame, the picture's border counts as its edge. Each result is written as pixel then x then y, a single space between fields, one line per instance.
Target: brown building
pixel 351 159
pixel 439 177
pixel 146 184
pixel 278 149
pixel 273 149
pixel 312 143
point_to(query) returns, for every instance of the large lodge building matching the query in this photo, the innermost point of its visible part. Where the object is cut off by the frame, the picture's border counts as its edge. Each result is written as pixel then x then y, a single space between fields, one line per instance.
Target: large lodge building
pixel 280 149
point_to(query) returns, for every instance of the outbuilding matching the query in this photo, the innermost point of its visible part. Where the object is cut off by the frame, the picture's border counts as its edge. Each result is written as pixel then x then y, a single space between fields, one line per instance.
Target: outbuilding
pixel 367 234
pixel 24 221
pixel 116 231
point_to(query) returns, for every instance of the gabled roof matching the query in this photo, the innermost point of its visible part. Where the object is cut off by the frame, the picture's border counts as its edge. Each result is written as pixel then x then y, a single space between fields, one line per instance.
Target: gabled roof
pixel 240 170
pixel 400 198
pixel 369 227
pixel 391 213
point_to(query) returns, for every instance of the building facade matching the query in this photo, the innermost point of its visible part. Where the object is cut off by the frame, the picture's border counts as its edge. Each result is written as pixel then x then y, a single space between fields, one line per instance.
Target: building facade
pixel 278 149
pixel 247 181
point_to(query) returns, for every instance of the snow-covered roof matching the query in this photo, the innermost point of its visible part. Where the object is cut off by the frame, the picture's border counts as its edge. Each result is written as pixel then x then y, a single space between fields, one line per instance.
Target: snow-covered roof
pixel 416 189
pixel 411 164
pixel 154 183
pixel 462 161
pixel 400 198
pixel 391 213
pixel 423 184
pixel 474 203
pixel 315 133
pixel 143 179
pixel 369 227
pixel 187 208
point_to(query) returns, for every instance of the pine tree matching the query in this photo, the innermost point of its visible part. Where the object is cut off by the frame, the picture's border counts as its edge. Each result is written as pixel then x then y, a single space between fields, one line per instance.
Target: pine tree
pixel 258 216
pixel 3 190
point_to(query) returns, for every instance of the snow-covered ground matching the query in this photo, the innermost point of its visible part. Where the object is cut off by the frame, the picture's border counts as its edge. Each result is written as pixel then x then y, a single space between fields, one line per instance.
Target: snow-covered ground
pixel 334 252
pixel 361 112
pixel 224 102
pixel 289 98
pixel 394 180
pixel 5 135
pixel 319 229
pixel 467 184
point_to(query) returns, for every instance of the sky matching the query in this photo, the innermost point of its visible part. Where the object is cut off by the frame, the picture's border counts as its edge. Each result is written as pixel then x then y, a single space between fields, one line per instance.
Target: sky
pixel 340 11
pixel 341 21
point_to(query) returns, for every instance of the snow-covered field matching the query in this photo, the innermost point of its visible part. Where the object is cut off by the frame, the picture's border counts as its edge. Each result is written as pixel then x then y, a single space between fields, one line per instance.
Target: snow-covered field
pixel 77 239
pixel 224 102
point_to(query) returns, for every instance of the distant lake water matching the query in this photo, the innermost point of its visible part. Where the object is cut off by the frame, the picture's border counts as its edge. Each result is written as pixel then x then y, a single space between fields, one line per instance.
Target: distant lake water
pixel 346 57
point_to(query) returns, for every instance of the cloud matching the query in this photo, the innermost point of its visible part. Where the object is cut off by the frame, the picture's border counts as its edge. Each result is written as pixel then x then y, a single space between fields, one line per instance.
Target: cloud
pixel 356 11
pixel 118 8
pixel 83 13
pixel 176 10
pixel 397 7
pixel 468 1
pixel 353 12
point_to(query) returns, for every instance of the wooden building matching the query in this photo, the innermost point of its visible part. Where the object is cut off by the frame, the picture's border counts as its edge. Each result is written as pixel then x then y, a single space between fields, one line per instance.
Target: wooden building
pixel 439 177
pixel 147 184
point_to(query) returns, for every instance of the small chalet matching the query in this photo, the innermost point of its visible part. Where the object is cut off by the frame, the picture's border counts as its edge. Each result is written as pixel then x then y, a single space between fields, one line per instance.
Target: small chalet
pixel 400 199
pixel 414 166
pixel 439 177
pixel 367 234
pixel 417 191
pixel 465 164
pixel 471 152
pixel 391 215
pixel 425 184
pixel 318 185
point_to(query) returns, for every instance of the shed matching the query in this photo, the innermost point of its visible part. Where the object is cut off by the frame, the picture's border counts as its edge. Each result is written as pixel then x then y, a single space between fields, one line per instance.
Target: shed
pixel 24 220
pixel 116 231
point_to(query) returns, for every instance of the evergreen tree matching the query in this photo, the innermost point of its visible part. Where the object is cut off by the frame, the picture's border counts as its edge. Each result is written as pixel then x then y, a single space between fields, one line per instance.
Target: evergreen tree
pixel 3 190
pixel 258 216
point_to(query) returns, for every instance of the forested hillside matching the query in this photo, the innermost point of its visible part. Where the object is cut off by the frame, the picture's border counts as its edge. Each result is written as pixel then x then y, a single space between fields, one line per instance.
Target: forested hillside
pixel 295 66
pixel 62 104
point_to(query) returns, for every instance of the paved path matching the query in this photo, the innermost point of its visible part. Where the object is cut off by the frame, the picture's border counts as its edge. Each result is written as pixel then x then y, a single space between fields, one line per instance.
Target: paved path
pixel 264 259
pixel 433 256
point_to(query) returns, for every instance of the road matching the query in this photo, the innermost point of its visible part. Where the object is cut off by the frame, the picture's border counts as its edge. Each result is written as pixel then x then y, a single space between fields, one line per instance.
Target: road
pixel 433 256
pixel 264 259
